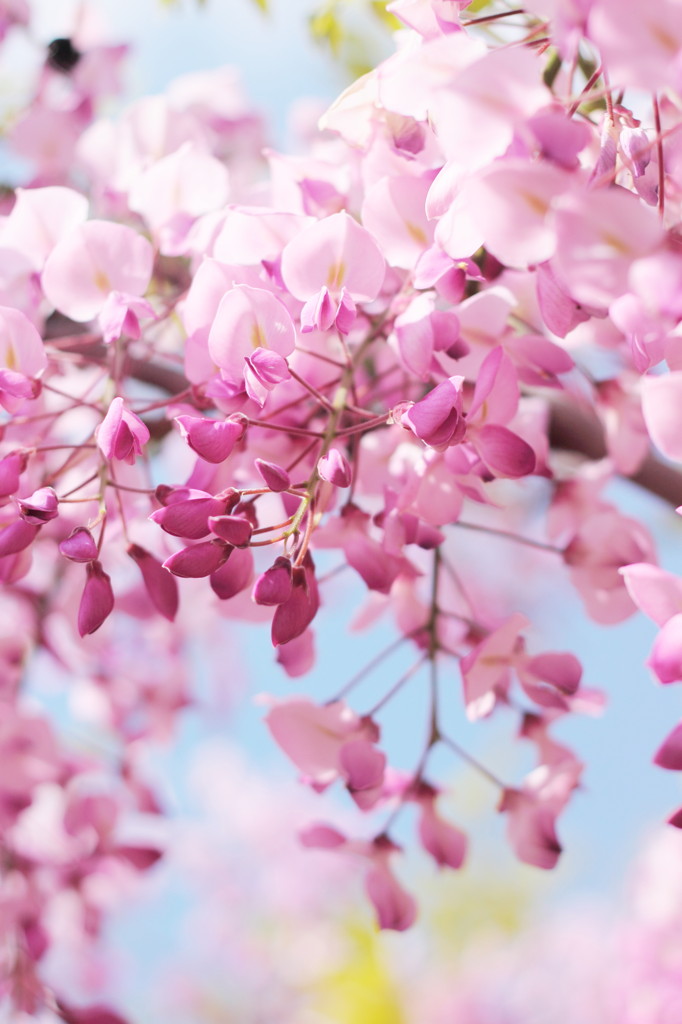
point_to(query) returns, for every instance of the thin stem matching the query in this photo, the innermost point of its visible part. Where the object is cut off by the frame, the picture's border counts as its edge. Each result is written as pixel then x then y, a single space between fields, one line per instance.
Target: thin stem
pixel 398 685
pixel 493 17
pixel 596 74
pixel 540 545
pixel 292 431
pixel 371 665
pixel 470 759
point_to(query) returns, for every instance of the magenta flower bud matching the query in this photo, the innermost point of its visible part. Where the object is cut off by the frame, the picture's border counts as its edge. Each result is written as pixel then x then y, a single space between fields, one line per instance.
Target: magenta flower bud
pixel 79 546
pixel 276 478
pixel 40 507
pixel 334 467
pixel 212 440
pixel 294 615
pixel 268 367
pixel 234 529
pixel 198 559
pixel 121 434
pixel 16 536
pixel 11 468
pixel 234 576
pixel 159 584
pixel 189 518
pixel 274 585
pixel 438 420
pixel 97 601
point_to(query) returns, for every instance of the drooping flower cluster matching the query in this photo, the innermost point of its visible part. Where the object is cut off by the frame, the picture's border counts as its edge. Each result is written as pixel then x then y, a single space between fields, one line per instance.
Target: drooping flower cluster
pixel 214 374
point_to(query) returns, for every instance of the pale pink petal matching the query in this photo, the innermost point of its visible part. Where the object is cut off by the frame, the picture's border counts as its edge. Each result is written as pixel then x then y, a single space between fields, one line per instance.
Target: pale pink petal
pixel 94 259
pixel 656 592
pixel 662 409
pixel 335 253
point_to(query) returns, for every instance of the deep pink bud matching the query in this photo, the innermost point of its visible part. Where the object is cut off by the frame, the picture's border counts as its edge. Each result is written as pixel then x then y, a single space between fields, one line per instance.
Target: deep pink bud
pixel 198 559
pixel 295 614
pixel 121 434
pixel 40 507
pixel 669 754
pixel 16 536
pixel 212 440
pixel 334 467
pixel 189 517
pixel 274 585
pixel 159 584
pixel 95 1014
pixel 79 546
pixel 234 576
pixel 11 468
pixel 97 601
pixel 276 478
pixel 236 530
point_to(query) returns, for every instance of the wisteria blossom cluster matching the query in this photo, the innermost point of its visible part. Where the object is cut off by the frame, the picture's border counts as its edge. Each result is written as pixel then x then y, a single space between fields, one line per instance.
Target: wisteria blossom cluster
pixel 220 366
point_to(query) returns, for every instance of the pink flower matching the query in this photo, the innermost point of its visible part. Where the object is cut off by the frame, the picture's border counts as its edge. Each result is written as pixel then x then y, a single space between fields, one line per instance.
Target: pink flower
pixel 313 737
pixel 438 420
pixel 121 435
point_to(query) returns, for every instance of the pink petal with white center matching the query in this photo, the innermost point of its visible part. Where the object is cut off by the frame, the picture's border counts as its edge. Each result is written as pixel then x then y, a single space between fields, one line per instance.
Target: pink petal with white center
pixel 394 211
pixel 476 117
pixel 599 233
pixel 669 754
pixel 250 235
pixel 640 43
pixel 188 181
pixel 39 218
pixel 21 347
pixel 511 203
pixel 656 592
pixel 662 410
pixel 665 660
pixel 248 319
pixel 94 259
pixel 334 253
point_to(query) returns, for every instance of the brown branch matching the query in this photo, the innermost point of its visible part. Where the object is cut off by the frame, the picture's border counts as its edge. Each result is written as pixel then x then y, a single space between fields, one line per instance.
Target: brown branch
pixel 579 430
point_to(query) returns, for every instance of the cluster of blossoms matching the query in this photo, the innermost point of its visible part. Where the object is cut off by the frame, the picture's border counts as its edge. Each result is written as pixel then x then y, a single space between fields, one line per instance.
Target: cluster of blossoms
pixel 214 374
